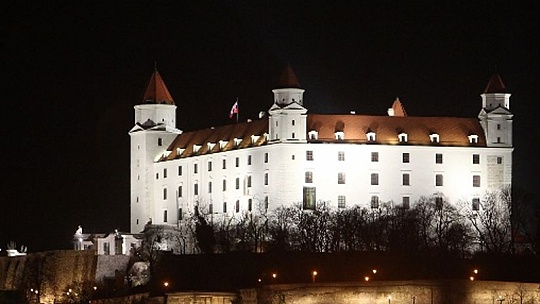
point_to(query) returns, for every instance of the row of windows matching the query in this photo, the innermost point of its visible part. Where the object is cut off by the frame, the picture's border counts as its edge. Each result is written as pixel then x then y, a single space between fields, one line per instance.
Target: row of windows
pixel 402 137
pixel 405 157
pixel 210 188
pixel 405 202
pixel 405 179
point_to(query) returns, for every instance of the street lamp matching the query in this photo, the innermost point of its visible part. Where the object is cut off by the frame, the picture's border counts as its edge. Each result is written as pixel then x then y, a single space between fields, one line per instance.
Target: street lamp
pixel 313 275
pixel 366 278
pixel 166 284
pixel 274 275
pixel 374 271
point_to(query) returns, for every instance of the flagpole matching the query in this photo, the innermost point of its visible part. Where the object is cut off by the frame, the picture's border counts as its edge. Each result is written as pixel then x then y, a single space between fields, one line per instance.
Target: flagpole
pixel 238 109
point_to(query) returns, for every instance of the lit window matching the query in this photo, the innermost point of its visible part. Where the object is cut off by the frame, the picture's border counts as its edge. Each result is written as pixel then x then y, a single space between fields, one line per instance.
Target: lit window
pixel 476 181
pixel 374 157
pixel 341 178
pixel 438 158
pixel 309 155
pixel 309 198
pixel 434 138
pixel 406 179
pixel 405 158
pixel 374 202
pixel 164 193
pixel 266 179
pixel 309 177
pixel 475 204
pixel 374 179
pixel 402 137
pixel 341 156
pixel 405 202
pixel 476 159
pixel 341 201
pixel 438 180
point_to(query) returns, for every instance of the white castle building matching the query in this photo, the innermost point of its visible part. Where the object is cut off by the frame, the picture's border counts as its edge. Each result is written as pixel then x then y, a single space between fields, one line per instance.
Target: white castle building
pixel 291 156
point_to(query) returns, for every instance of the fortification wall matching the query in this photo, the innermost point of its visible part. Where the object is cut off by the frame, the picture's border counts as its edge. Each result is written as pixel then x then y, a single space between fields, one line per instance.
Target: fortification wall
pixel 434 292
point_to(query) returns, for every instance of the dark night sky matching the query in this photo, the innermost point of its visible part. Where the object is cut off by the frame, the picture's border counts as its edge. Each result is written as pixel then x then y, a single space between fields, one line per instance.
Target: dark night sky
pixel 73 71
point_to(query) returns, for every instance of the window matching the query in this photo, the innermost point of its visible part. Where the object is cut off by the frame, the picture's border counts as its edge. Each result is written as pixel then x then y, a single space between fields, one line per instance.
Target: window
pixel 309 198
pixel 374 202
pixel 498 126
pixel 164 216
pixel 266 203
pixel 209 187
pixel 476 159
pixel 209 165
pixel 476 180
pixel 224 207
pixel 499 160
pixel 249 160
pixel 475 204
pixel 498 140
pixel 374 157
pixel 438 180
pixel 438 203
pixel 106 248
pixel 374 179
pixel 195 168
pixel 250 204
pixel 402 137
pixel 405 202
pixel 160 141
pixel 179 191
pixel 237 183
pixel 309 177
pixel 237 162
pixel 165 173
pixel 341 178
pixel 405 158
pixel 434 138
pixel 179 170
pixel 196 189
pixel 180 214
pixel 438 158
pixel 249 181
pixel 210 208
pixel 293 135
pixel 157 175
pixel 266 157
pixel 224 185
pixel 309 155
pixel 371 136
pixel 340 135
pixel 266 179
pixel 341 201
pixel 406 179
pixel 341 156
pixel 313 135
pixel 292 122
pixel 164 193
pixel 237 206
pixel 473 139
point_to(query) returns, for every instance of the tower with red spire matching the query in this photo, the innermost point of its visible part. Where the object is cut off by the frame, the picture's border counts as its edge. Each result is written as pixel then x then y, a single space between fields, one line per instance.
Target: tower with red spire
pixel 154 130
pixel 495 116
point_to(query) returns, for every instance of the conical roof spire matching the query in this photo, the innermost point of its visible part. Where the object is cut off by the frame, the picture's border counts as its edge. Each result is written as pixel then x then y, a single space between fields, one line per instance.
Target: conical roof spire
pixel 495 85
pixel 288 79
pixel 156 91
pixel 399 109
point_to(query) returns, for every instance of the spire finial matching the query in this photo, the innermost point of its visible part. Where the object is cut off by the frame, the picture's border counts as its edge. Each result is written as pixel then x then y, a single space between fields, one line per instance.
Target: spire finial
pixel 155 66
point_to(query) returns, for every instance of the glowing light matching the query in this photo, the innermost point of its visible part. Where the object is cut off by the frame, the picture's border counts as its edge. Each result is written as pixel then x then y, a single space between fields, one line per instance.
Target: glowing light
pixel 374 271
pixel 166 284
pixel 475 271
pixel 366 278
pixel 95 287
pixel 274 275
pixel 313 275
pixel 471 278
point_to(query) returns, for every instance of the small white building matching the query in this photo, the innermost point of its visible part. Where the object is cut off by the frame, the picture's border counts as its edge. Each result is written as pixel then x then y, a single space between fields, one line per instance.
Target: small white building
pixel 291 156
pixel 115 243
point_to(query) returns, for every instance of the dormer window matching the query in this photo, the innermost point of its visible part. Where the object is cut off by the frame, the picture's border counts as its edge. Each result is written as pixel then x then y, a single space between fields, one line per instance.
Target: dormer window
pixel 179 151
pixel 211 146
pixel 371 136
pixel 237 141
pixel 222 144
pixel 434 138
pixel 340 135
pixel 313 135
pixel 254 138
pixel 196 148
pixel 473 139
pixel 403 137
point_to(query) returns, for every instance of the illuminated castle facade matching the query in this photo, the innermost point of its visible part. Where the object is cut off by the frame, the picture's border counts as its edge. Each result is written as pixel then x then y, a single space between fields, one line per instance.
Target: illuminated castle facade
pixel 291 156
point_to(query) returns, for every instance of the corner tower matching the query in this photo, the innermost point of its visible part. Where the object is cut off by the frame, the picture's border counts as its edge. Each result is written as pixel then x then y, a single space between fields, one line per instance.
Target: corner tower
pixel 495 116
pixel 287 122
pixel 154 130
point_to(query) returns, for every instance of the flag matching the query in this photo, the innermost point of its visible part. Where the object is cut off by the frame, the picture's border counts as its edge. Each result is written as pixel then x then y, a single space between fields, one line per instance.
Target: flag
pixel 234 109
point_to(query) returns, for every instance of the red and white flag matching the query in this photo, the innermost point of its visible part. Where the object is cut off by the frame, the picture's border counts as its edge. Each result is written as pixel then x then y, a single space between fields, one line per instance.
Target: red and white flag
pixel 234 109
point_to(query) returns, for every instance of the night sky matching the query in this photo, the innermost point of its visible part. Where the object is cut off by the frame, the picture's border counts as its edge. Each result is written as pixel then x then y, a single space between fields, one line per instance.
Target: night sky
pixel 73 72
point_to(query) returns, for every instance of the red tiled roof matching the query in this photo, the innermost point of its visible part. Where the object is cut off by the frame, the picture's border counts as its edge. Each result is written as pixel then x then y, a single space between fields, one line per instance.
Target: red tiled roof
pixel 453 131
pixel 156 91
pixel 495 85
pixel 288 79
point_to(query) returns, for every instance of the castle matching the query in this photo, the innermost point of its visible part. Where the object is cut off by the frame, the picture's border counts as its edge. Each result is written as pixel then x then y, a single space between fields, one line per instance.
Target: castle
pixel 290 156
